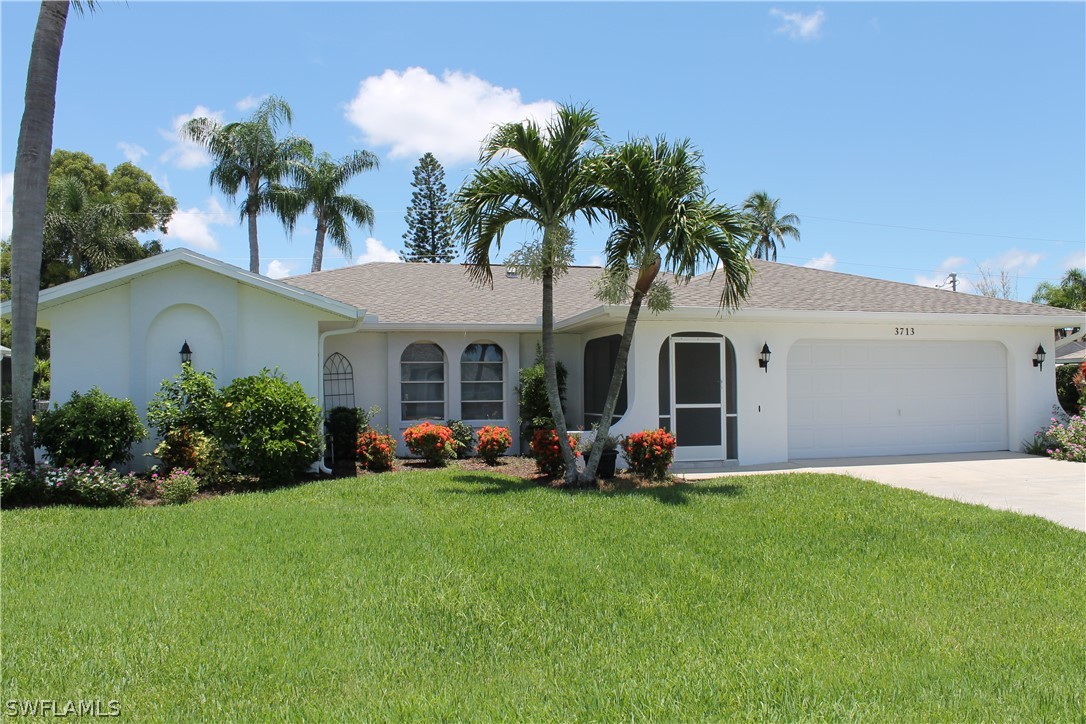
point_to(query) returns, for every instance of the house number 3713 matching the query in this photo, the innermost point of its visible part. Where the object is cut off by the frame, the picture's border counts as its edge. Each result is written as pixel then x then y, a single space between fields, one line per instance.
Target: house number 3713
pixel 904 331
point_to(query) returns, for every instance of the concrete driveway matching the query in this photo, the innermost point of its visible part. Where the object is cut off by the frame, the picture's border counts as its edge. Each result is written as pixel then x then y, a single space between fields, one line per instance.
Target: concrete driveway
pixel 1003 480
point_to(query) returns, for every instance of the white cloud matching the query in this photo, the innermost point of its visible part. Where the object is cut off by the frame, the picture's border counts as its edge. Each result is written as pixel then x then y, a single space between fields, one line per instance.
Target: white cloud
pixel 132 151
pixel 192 227
pixel 1013 260
pixel 376 251
pixel 185 153
pixel 940 276
pixel 415 112
pixel 799 26
pixel 278 269
pixel 7 184
pixel 596 260
pixel 1077 260
pixel 249 102
pixel 826 262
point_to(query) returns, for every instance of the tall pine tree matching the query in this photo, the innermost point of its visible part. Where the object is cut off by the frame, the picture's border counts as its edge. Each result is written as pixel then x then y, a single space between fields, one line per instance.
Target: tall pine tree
pixel 429 236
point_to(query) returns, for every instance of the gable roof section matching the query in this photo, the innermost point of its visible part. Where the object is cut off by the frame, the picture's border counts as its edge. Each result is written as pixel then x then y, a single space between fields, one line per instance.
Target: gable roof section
pixel 442 294
pixel 70 291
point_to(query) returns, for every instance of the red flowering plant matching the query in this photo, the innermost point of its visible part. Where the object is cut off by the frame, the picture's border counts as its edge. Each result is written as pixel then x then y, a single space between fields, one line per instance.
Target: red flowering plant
pixel 435 443
pixel 375 450
pixel 547 454
pixel 650 452
pixel 493 442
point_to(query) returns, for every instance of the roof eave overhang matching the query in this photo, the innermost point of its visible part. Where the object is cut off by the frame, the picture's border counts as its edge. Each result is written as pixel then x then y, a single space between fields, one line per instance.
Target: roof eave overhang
pixel 608 314
pixel 86 286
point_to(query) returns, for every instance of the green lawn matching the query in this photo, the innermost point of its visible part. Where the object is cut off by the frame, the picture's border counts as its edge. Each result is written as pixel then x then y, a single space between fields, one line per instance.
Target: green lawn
pixel 465 596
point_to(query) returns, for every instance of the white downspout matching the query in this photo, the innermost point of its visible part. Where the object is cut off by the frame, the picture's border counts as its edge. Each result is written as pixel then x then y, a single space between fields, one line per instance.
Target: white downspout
pixel 319 464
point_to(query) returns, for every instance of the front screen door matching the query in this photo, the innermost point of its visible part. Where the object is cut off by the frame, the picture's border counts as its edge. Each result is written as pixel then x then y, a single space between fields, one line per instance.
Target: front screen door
pixel 697 394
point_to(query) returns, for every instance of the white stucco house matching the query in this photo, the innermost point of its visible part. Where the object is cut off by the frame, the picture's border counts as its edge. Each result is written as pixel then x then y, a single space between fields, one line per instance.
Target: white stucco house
pixel 856 366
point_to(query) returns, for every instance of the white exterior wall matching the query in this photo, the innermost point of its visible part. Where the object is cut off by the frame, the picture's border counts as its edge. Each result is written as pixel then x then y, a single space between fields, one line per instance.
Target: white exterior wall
pixel 127 339
pixel 763 396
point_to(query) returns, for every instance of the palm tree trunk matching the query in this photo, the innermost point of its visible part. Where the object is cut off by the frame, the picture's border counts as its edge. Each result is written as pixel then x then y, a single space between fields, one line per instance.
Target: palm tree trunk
pixel 616 386
pixel 318 248
pixel 550 370
pixel 254 247
pixel 31 184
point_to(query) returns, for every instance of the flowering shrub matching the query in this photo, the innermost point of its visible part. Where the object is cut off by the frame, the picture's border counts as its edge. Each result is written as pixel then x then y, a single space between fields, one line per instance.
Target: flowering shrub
pixel 1066 437
pixel 20 486
pixel 433 442
pixel 180 486
pixel 547 454
pixel 493 442
pixel 650 452
pixel 193 450
pixel 375 451
pixel 89 485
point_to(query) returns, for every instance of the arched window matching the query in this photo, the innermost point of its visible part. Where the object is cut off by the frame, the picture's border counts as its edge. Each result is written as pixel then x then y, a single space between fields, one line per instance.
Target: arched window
pixel 338 382
pixel 422 382
pixel 482 382
pixel 600 356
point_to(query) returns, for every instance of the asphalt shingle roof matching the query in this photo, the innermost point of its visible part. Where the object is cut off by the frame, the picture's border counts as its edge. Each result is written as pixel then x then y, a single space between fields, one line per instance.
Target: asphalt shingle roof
pixel 409 293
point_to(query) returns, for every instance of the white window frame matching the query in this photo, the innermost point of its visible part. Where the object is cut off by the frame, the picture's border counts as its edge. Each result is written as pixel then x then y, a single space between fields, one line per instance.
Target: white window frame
pixel 463 381
pixel 444 384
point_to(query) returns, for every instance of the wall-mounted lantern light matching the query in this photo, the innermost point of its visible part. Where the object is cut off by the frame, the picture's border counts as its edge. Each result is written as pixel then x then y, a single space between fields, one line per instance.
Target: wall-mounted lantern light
pixel 186 353
pixel 763 357
pixel 1039 357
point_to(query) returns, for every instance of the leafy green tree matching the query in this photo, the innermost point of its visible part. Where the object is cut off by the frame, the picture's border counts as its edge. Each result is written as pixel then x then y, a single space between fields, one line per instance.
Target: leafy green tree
pixel 249 155
pixel 767 228
pixel 143 203
pixel 664 220
pixel 535 175
pixel 28 206
pixel 1070 293
pixel 318 185
pixel 429 236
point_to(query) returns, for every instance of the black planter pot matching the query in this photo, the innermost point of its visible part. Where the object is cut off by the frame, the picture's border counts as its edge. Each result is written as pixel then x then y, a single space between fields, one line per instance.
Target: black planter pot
pixel 606 468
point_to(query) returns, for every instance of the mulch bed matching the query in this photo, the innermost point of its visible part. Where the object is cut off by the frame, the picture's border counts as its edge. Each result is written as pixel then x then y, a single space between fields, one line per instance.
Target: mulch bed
pixel 513 466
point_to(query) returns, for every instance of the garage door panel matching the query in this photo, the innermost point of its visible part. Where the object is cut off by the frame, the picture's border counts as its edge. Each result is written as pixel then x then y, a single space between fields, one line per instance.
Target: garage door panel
pixel 852 398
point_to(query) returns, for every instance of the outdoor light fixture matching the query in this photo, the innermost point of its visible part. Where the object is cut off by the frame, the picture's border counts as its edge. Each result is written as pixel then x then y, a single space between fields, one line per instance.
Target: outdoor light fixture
pixel 763 358
pixel 186 353
pixel 1039 357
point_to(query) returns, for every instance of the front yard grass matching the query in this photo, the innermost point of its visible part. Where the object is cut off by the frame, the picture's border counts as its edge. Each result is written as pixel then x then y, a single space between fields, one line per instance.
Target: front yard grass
pixel 460 595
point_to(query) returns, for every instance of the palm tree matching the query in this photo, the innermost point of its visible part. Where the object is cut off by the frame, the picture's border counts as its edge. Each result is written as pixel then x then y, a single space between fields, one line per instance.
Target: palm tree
pixel 88 235
pixel 664 221
pixel 319 184
pixel 1070 293
pixel 28 202
pixel 536 175
pixel 248 154
pixel 767 228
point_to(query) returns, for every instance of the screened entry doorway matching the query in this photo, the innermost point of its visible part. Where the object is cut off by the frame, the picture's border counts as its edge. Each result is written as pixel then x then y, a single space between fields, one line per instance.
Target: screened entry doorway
pixel 697 395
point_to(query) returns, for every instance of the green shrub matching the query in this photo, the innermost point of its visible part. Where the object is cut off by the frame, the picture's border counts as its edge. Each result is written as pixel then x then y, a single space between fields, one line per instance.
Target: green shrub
pixel 88 429
pixel 268 427
pixel 186 400
pixel 535 408
pixel 193 450
pixel 464 436
pixel 345 424
pixel 180 486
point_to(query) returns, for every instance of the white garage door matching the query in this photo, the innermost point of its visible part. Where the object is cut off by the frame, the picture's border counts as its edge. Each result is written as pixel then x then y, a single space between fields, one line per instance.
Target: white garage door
pixel 850 399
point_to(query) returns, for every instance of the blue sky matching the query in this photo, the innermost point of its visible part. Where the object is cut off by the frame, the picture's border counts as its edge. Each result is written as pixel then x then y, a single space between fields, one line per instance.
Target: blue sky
pixel 965 123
